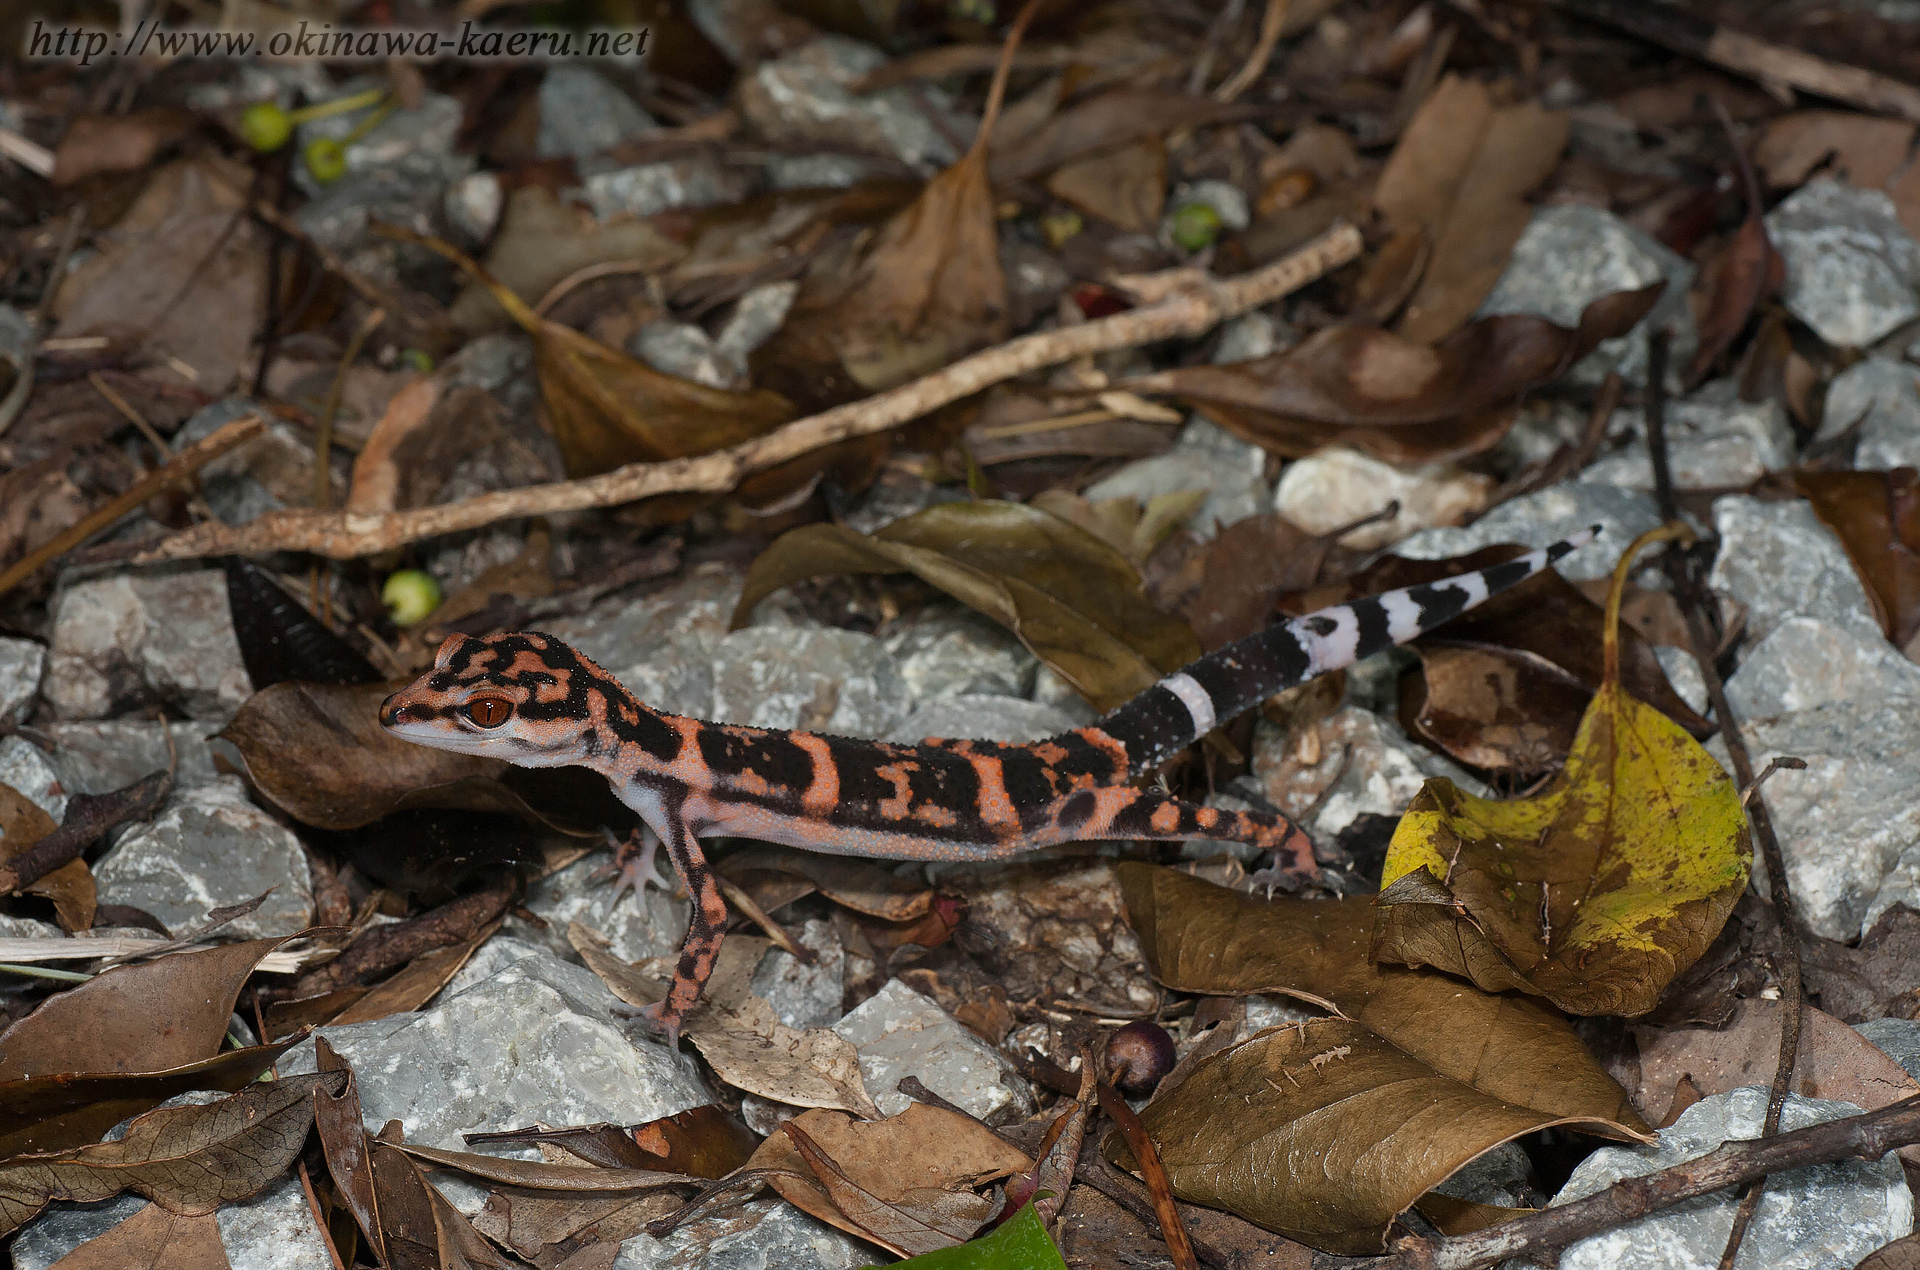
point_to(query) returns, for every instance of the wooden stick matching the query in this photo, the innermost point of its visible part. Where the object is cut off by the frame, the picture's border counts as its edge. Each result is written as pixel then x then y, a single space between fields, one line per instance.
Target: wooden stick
pixel 184 465
pixel 1752 57
pixel 1867 1137
pixel 1189 311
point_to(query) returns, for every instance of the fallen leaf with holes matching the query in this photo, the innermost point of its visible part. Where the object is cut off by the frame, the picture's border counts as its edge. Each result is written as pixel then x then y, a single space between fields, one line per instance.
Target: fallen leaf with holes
pixel 1074 601
pixel 1397 399
pixel 1593 893
pixel 926 1161
pixel 190 1160
pixel 70 887
pixel 1324 1132
pixel 1198 937
pixel 752 1050
pixel 1832 1061
pixel 153 1237
pixel 1461 175
pixel 1876 516
pixel 1496 709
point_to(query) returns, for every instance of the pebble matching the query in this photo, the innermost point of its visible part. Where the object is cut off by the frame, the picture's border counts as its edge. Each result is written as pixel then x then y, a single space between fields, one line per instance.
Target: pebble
pixel 661 645
pixel 947 651
pixel 803 995
pixel 1546 515
pixel 984 717
pixel 1714 441
pixel 1572 254
pixel 396 174
pixel 473 206
pixel 900 1033
pixel 583 113
pixel 1206 457
pixel 22 663
pixel 1898 1039
pixel 97 756
pixel 271 471
pixel 1827 1215
pixel 649 188
pixel 635 930
pixel 131 639
pixel 806 97
pixel 272 1231
pixel 1851 270
pixel 1778 561
pixel 1369 764
pixel 766 1234
pixel 1882 397
pixel 27 770
pixel 819 679
pixel 1337 486
pixel 208 848
pixel 519 1036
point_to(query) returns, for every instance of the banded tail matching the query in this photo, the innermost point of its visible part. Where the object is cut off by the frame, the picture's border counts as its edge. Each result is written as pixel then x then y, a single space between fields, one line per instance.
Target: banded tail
pixel 1194 700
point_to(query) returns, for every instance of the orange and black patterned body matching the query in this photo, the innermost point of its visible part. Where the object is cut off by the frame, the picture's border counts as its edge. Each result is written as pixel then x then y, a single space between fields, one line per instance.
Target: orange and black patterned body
pixel 533 700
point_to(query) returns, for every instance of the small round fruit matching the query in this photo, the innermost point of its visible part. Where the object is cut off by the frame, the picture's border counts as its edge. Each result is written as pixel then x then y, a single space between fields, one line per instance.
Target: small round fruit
pixel 265 126
pixel 1195 225
pixel 410 595
pixel 326 159
pixel 1139 1055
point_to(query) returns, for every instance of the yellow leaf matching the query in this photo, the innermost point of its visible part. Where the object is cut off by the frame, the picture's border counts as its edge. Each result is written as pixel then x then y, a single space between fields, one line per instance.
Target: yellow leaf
pixel 1594 893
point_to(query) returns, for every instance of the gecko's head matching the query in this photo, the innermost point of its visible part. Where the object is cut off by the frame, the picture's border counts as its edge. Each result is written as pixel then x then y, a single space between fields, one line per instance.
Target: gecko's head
pixel 523 697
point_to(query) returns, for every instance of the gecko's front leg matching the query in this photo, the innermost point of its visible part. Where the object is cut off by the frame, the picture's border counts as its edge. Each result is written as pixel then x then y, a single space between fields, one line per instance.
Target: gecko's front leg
pixel 706 927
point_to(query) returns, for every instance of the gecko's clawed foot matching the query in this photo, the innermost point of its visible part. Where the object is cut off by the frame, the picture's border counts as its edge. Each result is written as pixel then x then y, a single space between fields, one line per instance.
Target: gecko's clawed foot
pixel 663 1022
pixel 633 868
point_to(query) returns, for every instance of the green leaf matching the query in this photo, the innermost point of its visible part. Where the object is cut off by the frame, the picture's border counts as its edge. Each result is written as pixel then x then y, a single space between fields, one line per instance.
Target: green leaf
pixel 1594 893
pixel 1019 1243
pixel 1073 600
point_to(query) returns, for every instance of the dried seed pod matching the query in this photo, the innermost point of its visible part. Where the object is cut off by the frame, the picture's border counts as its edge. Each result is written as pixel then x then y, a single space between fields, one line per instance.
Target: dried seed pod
pixel 1138 1056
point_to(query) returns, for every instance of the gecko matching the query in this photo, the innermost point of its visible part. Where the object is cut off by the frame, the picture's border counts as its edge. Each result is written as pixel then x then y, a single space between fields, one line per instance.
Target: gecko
pixel 533 700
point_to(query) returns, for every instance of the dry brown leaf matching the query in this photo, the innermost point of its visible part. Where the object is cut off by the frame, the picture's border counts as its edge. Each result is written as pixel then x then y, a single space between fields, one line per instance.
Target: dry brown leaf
pixel 116 143
pixel 1876 516
pixel 188 1159
pixel 416 983
pixel 1324 1132
pixel 1866 151
pixel 70 887
pixel 1396 399
pixel 1199 937
pixel 923 1220
pixel 183 275
pixel 1499 709
pixel 344 1142
pixel 754 1052
pixel 914 1157
pixel 864 886
pixel 379 469
pixel 1461 173
pixel 1125 186
pixel 152 1239
pixel 1832 1061
pixel 160 1014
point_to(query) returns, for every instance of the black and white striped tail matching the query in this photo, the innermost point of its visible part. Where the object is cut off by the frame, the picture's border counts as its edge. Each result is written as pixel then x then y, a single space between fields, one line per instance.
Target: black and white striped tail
pixel 1191 702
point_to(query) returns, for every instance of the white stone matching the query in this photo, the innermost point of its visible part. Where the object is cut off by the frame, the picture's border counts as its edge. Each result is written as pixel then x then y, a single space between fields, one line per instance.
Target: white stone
pixel 984 717
pixel 1851 269
pixel 209 848
pixel 1778 561
pixel 1544 516
pixel 1827 1215
pixel 125 638
pixel 1337 486
pixel 1714 441
pixel 1206 457
pixel 1882 396
pixel 1369 765
pixel 900 1033
pixel 22 662
pixel 26 769
pixel 806 97
pixel 582 113
pixel 819 679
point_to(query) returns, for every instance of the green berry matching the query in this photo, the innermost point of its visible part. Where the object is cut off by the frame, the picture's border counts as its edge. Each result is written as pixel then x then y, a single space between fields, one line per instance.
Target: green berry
pixel 1195 225
pixel 417 359
pixel 265 126
pixel 326 159
pixel 410 596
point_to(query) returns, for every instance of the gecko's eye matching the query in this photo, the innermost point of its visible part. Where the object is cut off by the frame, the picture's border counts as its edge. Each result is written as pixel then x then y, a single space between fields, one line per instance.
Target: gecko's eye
pixel 488 712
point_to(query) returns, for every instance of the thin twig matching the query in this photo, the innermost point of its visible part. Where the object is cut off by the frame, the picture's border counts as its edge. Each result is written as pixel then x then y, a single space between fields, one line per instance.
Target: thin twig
pixel 1691 595
pixel 88 816
pixel 1172 1228
pixel 1867 1137
pixel 132 416
pixel 1769 64
pixel 1271 24
pixel 1190 310
pixel 323 435
pixel 183 466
